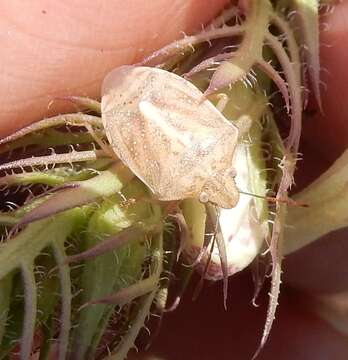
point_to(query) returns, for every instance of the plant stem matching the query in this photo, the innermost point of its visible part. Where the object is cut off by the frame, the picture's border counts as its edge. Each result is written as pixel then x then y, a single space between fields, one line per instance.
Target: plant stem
pixel 327 210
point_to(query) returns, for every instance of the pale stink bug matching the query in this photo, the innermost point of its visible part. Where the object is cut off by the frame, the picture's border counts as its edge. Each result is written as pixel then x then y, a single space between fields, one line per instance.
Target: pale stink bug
pixel 170 136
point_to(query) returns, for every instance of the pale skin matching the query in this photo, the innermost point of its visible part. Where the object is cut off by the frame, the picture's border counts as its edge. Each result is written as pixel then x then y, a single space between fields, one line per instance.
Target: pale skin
pixel 56 48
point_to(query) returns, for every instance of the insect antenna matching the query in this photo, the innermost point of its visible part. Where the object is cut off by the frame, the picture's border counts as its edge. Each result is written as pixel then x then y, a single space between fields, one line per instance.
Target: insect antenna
pixel 271 199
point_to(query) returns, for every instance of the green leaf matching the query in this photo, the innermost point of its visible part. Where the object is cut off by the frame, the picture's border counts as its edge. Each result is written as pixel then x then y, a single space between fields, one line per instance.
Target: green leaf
pixel 113 271
pixel 5 298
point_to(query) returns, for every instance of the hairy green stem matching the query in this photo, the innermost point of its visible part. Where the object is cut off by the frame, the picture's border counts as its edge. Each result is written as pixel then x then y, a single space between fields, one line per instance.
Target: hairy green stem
pixel 66 298
pixel 30 306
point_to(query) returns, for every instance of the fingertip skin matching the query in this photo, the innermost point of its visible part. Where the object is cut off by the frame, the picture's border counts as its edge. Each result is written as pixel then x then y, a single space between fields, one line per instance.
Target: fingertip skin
pixel 59 48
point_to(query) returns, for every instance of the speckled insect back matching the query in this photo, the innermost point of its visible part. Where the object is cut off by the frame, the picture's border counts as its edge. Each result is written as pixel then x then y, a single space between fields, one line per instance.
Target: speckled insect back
pixel 170 136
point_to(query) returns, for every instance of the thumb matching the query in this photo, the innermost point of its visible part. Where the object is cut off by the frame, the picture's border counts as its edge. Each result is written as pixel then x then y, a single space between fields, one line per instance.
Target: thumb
pixel 56 48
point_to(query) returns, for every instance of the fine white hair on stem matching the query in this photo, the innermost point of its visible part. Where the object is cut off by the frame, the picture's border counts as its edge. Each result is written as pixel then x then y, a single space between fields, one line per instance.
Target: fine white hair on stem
pixel 68 119
pixel 287 166
pixel 30 307
pixel 268 69
pixel 66 296
pixel 70 157
pixel 295 96
pixel 166 52
pixel 225 16
pixel 205 64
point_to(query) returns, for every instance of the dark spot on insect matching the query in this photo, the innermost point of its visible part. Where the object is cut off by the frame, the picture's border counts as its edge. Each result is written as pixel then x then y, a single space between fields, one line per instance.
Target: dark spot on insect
pixel 44 12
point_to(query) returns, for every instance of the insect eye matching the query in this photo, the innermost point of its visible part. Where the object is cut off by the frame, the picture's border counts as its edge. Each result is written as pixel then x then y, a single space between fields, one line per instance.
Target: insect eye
pixel 203 197
pixel 233 172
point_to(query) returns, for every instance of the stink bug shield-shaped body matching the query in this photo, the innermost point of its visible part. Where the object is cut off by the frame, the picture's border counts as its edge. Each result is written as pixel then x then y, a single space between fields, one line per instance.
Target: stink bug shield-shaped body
pixel 171 138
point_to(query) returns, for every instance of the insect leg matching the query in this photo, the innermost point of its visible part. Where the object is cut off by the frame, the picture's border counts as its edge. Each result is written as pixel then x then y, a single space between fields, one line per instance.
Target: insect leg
pixel 223 100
